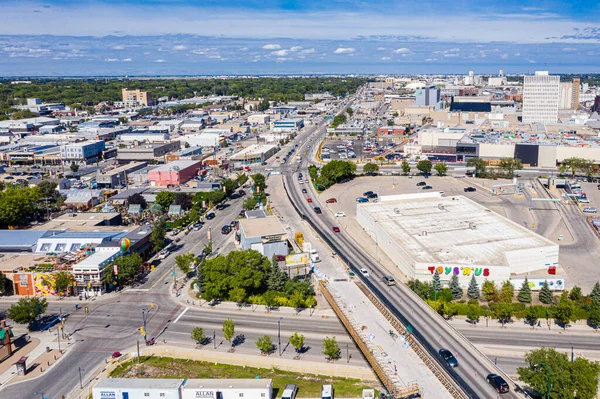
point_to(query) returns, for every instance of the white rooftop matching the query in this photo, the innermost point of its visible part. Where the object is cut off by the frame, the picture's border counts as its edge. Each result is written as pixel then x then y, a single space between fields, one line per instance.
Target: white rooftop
pixel 254 149
pixel 175 165
pixel 436 229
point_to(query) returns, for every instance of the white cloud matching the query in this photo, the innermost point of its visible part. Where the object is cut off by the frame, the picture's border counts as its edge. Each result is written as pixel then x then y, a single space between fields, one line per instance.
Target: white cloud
pixel 504 56
pixel 216 56
pixel 532 62
pixel 179 47
pixel 280 53
pixel 271 47
pixel 161 60
pixel 243 48
pixel 517 54
pixel 111 60
pixel 452 55
pixel 386 58
pixel 119 47
pixel 282 59
pixel 15 49
pixel 381 48
pixel 127 60
pixel 199 52
pixel 403 51
pixel 344 50
pixel 569 49
pixel 431 59
pixel 308 51
pixel 295 48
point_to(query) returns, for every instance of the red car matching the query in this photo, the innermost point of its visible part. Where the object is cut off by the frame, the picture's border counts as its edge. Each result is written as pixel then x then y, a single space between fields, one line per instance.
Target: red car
pixel 309 200
pixel 331 201
pixel 336 229
pixel 116 355
pixel 280 258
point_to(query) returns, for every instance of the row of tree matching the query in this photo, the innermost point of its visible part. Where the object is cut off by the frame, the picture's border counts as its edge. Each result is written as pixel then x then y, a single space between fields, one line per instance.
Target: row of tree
pixel 331 173
pixel 22 205
pixel 505 167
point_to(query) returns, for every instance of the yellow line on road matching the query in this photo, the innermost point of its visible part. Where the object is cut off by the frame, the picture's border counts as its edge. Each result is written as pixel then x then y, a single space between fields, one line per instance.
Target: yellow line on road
pixel 160 279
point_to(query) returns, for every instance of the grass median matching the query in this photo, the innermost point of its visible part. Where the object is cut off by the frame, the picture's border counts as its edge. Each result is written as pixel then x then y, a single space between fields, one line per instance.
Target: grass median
pixel 309 386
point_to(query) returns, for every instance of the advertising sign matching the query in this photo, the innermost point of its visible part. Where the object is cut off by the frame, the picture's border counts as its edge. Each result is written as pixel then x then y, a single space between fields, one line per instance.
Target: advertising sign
pixel 297 259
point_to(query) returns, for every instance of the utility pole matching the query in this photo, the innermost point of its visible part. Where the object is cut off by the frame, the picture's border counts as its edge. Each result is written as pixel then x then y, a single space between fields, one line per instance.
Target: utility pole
pixel 279 334
pixel 144 318
pixel 80 379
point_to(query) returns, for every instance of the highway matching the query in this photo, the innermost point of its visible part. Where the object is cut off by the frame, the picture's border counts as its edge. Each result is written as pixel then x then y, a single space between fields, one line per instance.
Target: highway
pixel 427 324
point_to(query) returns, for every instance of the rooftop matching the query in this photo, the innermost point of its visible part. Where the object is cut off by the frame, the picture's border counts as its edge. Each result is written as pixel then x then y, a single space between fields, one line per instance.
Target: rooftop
pixel 238 383
pixel 435 229
pixel 139 383
pixel 254 149
pixel 175 165
pixel 260 227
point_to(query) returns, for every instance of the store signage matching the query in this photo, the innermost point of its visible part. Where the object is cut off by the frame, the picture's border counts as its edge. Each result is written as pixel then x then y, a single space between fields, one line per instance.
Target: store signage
pixel 108 395
pixel 464 270
pixel 205 394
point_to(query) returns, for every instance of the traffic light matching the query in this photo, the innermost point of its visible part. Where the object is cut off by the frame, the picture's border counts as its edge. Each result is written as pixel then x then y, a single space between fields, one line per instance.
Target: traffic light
pixel 143 331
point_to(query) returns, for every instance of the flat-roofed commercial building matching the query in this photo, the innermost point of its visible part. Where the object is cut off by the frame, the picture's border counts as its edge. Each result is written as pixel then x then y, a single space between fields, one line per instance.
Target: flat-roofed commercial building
pixel 87 151
pixel 422 233
pixel 255 153
pixel 118 177
pixel 175 173
pixel 265 235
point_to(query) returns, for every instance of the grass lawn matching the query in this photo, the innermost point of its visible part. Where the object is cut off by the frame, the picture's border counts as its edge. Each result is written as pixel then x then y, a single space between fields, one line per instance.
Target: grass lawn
pixel 309 386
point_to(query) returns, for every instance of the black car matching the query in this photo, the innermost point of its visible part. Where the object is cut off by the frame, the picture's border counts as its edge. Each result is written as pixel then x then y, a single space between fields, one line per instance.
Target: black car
pixel 242 192
pixel 318 210
pixel 371 196
pixel 469 189
pixel 421 183
pixel 427 188
pixel 498 383
pixel 225 229
pixel 210 216
pixel 367 193
pixel 448 357
pixel 304 191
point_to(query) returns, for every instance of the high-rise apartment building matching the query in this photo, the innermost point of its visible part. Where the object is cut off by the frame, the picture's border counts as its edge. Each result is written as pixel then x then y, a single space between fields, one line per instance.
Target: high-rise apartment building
pixel 576 90
pixel 568 97
pixel 137 98
pixel 540 98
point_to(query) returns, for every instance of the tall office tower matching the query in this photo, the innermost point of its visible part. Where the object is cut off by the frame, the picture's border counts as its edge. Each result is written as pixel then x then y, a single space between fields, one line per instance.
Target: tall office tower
pixel 565 96
pixel 576 89
pixel 540 98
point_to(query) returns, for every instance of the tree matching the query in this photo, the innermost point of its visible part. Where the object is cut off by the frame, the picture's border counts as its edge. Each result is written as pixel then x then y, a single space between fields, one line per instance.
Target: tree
pixel 595 294
pixel 165 199
pixel 565 310
pixel 525 292
pixel 230 185
pixel 405 167
pixel 238 295
pixel 184 262
pixel 473 313
pixel 509 165
pixel 441 168
pixel 310 302
pixel 259 182
pixel 349 111
pixel 489 290
pixel 297 341
pixel 296 301
pixel 532 314
pixel 436 281
pixel 62 282
pixel 197 335
pixel 127 267
pixel 3 283
pixel 480 166
pixel 545 294
pixel 48 189
pixel 567 377
pixel 159 232
pixel 457 292
pixel 330 348
pixel 229 330
pixel 507 292
pixel 371 168
pixel 473 290
pixel 503 312
pixel 575 294
pixel 425 166
pixel 335 171
pixel 270 299
pixel 27 310
pixel 137 199
pixel 74 167
pixel 299 237
pixel 277 277
pixel 250 203
pixel 265 344
pixel 241 179
pixel 594 315
pixel 18 205
pixel 313 172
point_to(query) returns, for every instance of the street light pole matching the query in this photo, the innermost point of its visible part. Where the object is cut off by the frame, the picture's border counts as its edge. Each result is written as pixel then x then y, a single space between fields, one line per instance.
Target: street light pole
pixel 572 352
pixel 549 388
pixel 279 334
pixel 144 319
pixel 80 379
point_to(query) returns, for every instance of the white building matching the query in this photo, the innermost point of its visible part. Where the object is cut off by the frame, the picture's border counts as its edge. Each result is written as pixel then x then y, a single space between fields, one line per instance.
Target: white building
pixel 204 139
pixel 540 98
pixel 89 273
pixel 137 388
pixel 260 119
pixel 227 389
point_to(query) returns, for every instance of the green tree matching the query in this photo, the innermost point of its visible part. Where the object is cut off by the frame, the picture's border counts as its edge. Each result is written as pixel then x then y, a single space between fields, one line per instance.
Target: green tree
pixel 532 314
pixel 545 294
pixel 436 284
pixel 230 185
pixel 4 282
pixel 62 282
pixel 48 189
pixel 595 294
pixel 270 299
pixel 228 330
pixel 296 301
pixel 238 295
pixel 573 164
pixel 137 199
pixel 18 205
pixel 250 203
pixel 349 111
pixel 503 312
pixel 580 376
pixel 480 166
pixel 335 171
pixel 184 262
pixel 265 344
pixel 310 302
pixel 259 182
pixel 473 290
pixel 127 267
pixel 575 294
pixel 241 179
pixel 405 167
pixel 371 168
pixel 158 234
pixel 313 172
pixel 509 165
pixel 425 166
pixel 74 167
pixel 565 310
pixel 277 277
pixel 330 348
pixel 507 292
pixel 165 199
pixel 525 292
pixel 457 292
pixel 441 168
pixel 27 310
pixel 197 335
pixel 473 313
pixel 297 341
pixel 594 315
pixel 449 310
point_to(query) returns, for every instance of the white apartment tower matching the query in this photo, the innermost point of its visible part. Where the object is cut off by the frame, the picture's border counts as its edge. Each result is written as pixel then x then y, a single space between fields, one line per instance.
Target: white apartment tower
pixel 540 98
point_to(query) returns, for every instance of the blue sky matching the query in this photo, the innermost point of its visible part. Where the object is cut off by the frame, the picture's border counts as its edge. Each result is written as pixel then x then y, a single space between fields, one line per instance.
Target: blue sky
pixel 166 37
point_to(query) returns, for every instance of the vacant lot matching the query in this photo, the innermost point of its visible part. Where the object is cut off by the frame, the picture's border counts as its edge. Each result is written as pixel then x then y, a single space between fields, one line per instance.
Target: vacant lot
pixel 309 386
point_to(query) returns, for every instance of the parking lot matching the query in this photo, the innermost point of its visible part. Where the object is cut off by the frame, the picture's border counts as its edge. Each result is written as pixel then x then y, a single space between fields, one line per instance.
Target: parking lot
pixel 358 148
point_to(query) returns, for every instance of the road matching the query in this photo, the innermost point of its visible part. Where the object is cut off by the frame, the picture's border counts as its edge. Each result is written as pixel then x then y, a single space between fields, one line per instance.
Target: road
pixel 427 324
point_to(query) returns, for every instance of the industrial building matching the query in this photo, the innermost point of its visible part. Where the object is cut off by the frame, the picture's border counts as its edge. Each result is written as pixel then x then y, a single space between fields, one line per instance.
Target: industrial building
pixel 146 152
pixel 175 173
pixel 117 177
pixel 255 153
pixel 422 233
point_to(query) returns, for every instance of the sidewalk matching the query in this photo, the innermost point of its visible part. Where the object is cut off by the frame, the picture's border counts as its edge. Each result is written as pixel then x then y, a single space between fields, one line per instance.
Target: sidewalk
pixel 518 325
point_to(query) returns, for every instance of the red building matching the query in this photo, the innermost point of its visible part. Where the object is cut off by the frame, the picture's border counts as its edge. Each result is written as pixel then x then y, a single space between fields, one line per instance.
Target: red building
pixel 175 173
pixel 391 131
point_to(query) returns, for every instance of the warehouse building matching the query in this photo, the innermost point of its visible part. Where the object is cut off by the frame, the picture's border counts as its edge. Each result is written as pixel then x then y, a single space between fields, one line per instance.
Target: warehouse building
pixel 255 153
pixel 175 173
pixel 117 177
pixel 422 233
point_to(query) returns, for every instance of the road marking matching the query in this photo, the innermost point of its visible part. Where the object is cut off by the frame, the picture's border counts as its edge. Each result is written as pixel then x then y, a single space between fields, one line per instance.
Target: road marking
pixel 181 314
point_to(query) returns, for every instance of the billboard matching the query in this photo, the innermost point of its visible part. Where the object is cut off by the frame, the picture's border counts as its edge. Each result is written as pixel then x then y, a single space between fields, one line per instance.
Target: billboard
pixel 297 259
pixel 536 284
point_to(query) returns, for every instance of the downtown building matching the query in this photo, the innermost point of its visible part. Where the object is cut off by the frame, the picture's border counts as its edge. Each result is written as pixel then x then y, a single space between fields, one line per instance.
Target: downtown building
pixel 541 98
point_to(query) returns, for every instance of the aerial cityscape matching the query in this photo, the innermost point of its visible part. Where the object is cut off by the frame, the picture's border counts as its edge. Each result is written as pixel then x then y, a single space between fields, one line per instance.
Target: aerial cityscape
pixel 299 200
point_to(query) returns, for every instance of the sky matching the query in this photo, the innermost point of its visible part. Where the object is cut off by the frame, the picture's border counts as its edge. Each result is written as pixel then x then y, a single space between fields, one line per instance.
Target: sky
pixel 251 37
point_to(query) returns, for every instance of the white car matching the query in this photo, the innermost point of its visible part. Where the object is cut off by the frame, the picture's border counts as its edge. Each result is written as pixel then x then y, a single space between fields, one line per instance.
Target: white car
pixel 590 210
pixel 364 272
pixel 268 169
pixel 163 254
pixel 340 214
pixel 583 200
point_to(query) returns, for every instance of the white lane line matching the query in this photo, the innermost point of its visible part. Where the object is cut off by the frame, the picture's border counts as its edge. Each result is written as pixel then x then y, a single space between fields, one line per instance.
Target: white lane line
pixel 181 314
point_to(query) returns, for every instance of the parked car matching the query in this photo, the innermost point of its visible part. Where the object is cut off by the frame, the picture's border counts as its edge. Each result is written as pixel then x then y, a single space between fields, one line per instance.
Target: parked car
pixel 367 193
pixel 226 229
pixel 427 188
pixel 280 258
pixel 448 357
pixel 590 210
pixel 210 216
pixel 469 189
pixel 340 214
pixel 498 383
pixel 331 200
pixel 242 192
pixel 362 200
pixel 372 195
pixel 336 229
pixel 197 226
pixel 421 183
pixel 327 391
pixel 116 355
pixel 163 254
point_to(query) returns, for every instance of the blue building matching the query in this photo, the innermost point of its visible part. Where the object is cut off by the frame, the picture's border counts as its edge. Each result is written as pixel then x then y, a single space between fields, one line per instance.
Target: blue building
pixel 287 124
